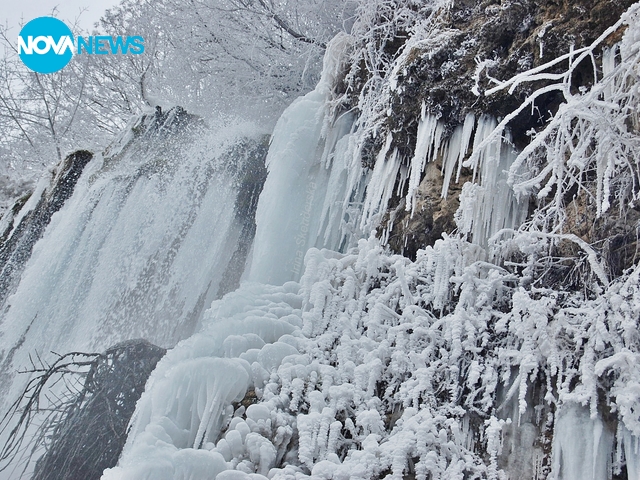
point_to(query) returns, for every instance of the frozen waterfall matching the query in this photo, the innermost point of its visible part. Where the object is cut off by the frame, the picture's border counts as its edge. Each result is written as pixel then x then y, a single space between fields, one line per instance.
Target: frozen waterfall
pixel 334 358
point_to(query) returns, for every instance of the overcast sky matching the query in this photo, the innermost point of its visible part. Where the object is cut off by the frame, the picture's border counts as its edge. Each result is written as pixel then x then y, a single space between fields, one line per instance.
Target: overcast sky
pixel 15 12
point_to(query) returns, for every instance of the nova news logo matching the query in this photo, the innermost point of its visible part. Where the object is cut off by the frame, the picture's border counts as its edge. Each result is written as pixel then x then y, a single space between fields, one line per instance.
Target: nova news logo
pixel 46 45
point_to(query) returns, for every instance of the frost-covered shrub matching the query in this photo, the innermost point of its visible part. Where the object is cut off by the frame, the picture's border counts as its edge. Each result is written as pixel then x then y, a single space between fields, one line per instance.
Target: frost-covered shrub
pixel 375 366
pixel 582 167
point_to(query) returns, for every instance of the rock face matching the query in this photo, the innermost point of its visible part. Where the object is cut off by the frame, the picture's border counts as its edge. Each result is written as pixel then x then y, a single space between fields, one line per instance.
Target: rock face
pixel 512 37
pixel 22 232
pixel 433 216
pixel 615 234
pixel 441 75
pixel 251 178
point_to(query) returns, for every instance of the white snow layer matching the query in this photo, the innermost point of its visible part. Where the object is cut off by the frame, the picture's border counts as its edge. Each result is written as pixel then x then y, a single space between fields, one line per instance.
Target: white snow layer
pixel 375 364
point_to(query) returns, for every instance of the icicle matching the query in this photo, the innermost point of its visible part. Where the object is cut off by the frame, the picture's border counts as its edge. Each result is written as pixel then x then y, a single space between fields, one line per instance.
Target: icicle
pixel 467 130
pixel 491 205
pixel 631 447
pixel 380 187
pixel 582 446
pixel 428 143
pixel 455 151
pixel 337 150
pixel 608 65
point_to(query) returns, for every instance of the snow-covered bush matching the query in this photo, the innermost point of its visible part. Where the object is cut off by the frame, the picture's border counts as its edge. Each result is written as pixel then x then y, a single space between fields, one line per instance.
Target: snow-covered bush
pixel 584 162
pixel 377 366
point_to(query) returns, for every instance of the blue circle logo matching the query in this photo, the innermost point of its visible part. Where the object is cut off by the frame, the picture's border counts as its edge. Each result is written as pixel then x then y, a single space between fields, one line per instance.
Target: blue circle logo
pixel 45 45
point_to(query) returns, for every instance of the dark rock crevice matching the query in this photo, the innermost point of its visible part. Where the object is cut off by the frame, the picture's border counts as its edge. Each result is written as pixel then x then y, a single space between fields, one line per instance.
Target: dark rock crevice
pixel 17 241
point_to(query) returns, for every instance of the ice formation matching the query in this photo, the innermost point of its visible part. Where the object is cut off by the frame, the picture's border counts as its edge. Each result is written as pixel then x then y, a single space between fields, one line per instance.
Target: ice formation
pixel 336 359
pixel 375 364
pixel 313 180
pixel 386 366
pixel 488 204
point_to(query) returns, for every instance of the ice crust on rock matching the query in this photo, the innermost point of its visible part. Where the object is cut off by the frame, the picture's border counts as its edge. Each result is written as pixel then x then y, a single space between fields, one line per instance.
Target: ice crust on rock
pixel 190 394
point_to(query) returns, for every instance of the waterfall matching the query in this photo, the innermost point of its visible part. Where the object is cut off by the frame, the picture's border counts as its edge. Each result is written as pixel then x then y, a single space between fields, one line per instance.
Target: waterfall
pixel 333 358
pixel 141 247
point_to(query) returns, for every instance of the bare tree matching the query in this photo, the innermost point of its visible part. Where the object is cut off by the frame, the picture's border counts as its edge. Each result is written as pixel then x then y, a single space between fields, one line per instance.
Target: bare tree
pixel 40 109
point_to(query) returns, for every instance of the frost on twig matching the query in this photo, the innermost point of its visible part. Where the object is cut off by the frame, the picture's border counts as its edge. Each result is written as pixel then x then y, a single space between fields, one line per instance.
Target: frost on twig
pixel 73 414
pixel 586 155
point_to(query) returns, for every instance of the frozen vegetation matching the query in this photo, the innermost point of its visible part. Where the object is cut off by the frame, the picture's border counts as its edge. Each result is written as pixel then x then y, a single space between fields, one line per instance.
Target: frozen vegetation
pixel 376 365
pixel 509 348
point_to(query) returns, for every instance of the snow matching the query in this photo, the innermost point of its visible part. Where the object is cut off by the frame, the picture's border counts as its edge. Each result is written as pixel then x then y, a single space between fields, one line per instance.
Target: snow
pixel 336 359
pixel 589 131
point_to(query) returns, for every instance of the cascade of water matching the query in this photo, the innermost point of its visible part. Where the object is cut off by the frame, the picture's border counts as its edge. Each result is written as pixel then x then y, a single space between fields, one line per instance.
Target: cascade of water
pixel 140 247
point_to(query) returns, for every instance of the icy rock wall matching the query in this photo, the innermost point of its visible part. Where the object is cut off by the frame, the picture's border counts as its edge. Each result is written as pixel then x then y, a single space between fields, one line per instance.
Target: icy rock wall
pixel 318 194
pixel 487 203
